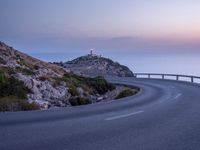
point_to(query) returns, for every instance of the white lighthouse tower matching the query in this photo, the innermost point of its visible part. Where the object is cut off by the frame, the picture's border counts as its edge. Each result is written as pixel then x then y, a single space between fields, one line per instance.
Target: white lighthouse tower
pixel 91 52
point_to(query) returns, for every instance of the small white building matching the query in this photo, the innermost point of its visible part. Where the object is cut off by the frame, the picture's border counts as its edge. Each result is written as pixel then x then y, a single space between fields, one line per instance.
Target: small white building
pixel 93 54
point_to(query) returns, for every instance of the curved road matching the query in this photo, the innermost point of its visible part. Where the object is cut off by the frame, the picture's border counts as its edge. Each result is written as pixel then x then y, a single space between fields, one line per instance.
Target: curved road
pixel 165 115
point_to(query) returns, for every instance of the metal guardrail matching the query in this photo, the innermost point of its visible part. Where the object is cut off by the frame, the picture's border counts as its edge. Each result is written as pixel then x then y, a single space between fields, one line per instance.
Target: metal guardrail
pixel 163 76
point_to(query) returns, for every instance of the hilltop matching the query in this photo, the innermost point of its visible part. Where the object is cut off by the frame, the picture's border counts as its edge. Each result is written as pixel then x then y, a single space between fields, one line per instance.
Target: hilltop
pixel 93 65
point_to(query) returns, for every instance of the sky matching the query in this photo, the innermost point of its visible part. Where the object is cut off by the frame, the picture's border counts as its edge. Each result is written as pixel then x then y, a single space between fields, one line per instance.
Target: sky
pixel 108 26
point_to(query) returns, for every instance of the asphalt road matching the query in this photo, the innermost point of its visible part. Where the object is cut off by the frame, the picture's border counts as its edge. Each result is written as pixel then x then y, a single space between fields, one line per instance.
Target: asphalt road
pixel 165 115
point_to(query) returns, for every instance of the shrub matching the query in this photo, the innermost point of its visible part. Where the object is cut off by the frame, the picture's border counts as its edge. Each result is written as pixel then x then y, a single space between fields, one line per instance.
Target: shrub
pixel 27 71
pixel 11 86
pixel 36 67
pixel 44 78
pixel 2 61
pixel 7 70
pixel 125 93
pixel 66 78
pixel 23 62
pixel 79 101
pixel 13 94
pixel 73 91
pixel 2 77
pixel 99 84
pixel 30 106
pixel 12 103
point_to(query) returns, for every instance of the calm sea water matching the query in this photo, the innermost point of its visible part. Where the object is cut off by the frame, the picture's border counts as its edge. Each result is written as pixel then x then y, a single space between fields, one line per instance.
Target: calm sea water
pixel 187 64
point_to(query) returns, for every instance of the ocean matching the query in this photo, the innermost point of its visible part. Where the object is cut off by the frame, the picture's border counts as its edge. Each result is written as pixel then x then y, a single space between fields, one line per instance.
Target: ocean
pixel 186 64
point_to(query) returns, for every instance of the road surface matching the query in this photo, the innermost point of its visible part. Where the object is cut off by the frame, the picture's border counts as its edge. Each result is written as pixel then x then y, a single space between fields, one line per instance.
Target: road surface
pixel 164 115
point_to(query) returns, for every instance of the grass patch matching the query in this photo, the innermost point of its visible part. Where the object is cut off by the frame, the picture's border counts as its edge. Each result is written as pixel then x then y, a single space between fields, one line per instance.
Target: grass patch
pixel 79 101
pixel 25 71
pixel 13 94
pixel 126 93
pixel 11 86
pixel 25 63
pixel 100 85
pixel 13 103
pixel 94 85
pixel 7 70
pixel 73 91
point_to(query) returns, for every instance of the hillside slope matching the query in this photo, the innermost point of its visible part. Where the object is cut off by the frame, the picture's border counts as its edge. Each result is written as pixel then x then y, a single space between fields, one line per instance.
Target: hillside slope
pixel 28 83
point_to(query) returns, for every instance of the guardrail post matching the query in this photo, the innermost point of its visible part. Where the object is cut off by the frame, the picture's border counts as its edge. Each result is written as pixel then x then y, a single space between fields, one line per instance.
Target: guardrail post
pixel 149 76
pixel 177 77
pixel 192 79
pixel 163 76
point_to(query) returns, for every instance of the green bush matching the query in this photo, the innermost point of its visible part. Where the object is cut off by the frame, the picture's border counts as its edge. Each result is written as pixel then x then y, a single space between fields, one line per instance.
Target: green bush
pixel 73 91
pixel 23 62
pixel 79 101
pixel 11 86
pixel 125 93
pixel 97 85
pixel 12 103
pixel 24 71
pixel 7 70
pixel 13 94
pixel 2 77
pixel 27 71
pixel 30 106
pixel 66 78
pixel 100 85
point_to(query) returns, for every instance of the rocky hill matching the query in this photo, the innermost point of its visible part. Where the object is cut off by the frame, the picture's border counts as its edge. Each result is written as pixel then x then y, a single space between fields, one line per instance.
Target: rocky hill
pixel 28 83
pixel 93 65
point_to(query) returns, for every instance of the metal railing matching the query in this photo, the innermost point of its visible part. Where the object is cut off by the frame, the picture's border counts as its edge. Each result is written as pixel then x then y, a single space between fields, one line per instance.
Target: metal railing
pixel 164 76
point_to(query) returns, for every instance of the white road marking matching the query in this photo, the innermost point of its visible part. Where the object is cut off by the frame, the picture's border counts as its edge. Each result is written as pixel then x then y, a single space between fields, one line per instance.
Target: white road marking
pixel 171 87
pixel 123 116
pixel 177 96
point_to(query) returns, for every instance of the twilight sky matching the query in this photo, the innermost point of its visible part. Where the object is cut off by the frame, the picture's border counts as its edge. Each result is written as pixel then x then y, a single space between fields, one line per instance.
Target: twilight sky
pixel 118 26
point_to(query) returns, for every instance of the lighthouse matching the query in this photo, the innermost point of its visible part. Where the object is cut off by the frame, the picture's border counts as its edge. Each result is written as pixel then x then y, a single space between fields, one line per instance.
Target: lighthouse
pixel 91 51
pixel 92 54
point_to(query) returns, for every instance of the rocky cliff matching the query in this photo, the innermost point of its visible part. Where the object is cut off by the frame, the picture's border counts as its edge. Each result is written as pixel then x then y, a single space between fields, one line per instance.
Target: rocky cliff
pixel 43 84
pixel 93 65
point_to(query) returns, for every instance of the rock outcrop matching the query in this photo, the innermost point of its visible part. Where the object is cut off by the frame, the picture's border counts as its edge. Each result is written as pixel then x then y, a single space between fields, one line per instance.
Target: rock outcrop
pixel 93 65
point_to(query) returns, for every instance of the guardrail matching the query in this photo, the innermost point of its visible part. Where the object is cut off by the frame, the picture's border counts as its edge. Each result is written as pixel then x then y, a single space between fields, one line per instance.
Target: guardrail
pixel 163 76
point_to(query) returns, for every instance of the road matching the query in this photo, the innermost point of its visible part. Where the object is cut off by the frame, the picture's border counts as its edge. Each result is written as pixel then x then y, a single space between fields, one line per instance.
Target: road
pixel 164 115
